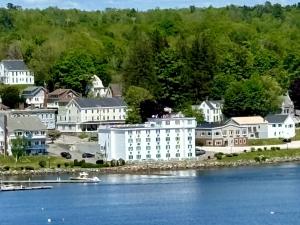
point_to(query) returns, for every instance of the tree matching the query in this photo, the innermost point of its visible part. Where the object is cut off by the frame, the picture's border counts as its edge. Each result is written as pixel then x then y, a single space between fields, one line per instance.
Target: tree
pixel 295 92
pixel 149 108
pixel 255 96
pixel 75 69
pixel 54 134
pixel 134 97
pixel 10 96
pixel 188 111
pixel 18 147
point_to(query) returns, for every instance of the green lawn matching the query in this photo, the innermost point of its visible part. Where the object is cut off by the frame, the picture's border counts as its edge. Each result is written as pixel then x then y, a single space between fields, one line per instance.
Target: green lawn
pixel 31 161
pixel 261 142
pixel 268 153
pixel 297 137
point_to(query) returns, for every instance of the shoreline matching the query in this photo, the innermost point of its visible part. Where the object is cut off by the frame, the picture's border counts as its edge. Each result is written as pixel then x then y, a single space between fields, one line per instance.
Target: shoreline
pixel 150 167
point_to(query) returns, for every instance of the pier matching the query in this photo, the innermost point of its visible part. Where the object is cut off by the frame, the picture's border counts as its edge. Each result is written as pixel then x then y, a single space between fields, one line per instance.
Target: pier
pixel 57 181
pixel 22 188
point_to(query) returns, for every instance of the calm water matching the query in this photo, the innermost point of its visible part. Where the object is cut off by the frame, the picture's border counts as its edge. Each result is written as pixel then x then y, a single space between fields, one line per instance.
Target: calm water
pixel 227 196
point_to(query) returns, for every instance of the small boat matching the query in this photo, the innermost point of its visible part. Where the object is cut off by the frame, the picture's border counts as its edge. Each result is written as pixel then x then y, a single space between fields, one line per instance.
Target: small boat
pixel 83 176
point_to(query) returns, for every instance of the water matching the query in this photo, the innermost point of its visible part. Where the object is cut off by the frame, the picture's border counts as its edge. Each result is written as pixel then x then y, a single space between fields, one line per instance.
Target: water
pixel 247 196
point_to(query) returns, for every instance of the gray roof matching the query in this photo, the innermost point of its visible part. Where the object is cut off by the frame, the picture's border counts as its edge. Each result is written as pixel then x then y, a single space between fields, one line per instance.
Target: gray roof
pixel 211 103
pixel 102 102
pixel 29 123
pixel 31 91
pixel 207 125
pixel 276 118
pixel 286 100
pixel 14 64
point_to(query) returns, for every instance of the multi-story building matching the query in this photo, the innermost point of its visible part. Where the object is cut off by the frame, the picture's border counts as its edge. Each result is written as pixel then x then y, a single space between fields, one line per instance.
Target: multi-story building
pixel 60 97
pixel 35 96
pixel 86 115
pixel 222 134
pixel 15 72
pixel 46 116
pixel 31 128
pixel 157 139
pixel 212 110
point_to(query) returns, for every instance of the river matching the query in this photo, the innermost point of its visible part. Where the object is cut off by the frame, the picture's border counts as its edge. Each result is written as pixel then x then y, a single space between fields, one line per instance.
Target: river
pixel 232 196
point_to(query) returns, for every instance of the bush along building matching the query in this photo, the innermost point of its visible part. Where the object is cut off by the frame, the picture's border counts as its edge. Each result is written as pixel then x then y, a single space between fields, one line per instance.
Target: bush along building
pixel 29 128
pixel 157 139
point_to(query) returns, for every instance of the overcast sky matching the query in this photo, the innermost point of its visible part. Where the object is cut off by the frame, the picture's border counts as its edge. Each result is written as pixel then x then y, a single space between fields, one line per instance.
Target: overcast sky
pixel 137 4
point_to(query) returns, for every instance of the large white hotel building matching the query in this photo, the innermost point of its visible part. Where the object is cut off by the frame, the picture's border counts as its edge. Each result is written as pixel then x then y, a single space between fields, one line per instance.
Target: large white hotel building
pixel 157 139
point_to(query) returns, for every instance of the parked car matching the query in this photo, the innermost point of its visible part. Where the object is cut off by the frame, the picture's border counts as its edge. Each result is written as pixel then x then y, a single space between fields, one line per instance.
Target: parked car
pixel 88 155
pixel 200 152
pixel 286 140
pixel 66 155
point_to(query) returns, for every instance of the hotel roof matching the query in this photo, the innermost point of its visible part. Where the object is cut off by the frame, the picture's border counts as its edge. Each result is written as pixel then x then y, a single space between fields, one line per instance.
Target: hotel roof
pixel 249 120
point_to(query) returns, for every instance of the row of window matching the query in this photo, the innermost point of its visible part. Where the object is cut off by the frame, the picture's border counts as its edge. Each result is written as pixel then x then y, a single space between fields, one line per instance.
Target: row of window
pixel 158 156
pixel 158 147
pixel 27 133
pixel 99 110
pixel 130 132
pixel 280 125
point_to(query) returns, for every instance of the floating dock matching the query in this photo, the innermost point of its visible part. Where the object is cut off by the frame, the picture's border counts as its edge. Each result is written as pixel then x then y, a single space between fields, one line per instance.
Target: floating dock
pixel 57 181
pixel 22 188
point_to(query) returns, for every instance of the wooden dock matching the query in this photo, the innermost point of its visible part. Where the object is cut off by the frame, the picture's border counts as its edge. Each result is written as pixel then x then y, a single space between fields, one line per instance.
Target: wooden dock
pixel 57 181
pixel 22 188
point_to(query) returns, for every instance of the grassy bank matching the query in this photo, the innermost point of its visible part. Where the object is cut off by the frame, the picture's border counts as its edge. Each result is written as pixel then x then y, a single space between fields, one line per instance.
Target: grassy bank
pixel 262 142
pixel 31 162
pixel 263 155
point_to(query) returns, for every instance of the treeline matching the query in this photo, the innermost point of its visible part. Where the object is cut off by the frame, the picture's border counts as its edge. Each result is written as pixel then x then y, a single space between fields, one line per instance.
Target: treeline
pixel 180 56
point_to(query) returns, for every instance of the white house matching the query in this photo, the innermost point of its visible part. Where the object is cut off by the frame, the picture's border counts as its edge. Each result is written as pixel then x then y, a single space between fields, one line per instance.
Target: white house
pixel 287 105
pixel 212 110
pixel 35 96
pixel 157 139
pixel 15 72
pixel 97 88
pixel 280 126
pixel 46 116
pixel 30 128
pixel 83 114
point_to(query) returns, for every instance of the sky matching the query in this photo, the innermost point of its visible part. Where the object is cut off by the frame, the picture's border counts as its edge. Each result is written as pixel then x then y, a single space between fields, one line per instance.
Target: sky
pixel 137 4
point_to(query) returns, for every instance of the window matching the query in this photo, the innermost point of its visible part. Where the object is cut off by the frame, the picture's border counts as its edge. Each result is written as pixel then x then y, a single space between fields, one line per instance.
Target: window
pixel 138 148
pixel 130 157
pixel 138 156
pixel 167 146
pixel 158 156
pixel 148 139
pixel 177 122
pixel 148 156
pixel 177 130
pixel 130 132
pixel 157 147
pixel 190 138
pixel 167 122
pixel 158 139
pixel 189 146
pixel 279 125
pixel 168 155
pixel 190 154
pixel 273 125
pixel 177 146
pixel 177 155
pixel 167 131
pixel 157 131
pixel 138 140
pixel 178 138
pixel 147 131
pixel 190 122
pixel 130 148
pixel 148 148
pixel 138 132
pixel 167 138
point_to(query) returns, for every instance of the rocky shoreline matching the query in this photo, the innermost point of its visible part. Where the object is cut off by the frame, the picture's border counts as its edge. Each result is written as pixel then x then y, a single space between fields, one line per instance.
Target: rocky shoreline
pixel 151 167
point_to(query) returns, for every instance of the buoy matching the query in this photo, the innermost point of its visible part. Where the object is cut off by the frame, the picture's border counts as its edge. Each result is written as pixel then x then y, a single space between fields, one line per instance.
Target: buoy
pixel 272 212
pixel 49 220
pixel 42 209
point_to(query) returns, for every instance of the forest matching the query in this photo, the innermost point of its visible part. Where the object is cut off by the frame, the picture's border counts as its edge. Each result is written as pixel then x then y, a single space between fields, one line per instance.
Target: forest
pixel 247 56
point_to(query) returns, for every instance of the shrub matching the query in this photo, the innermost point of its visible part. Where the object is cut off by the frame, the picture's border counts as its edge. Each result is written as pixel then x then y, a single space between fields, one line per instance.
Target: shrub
pixel 83 135
pixel 100 162
pixel 252 149
pixel 265 148
pixel 6 168
pixel 29 168
pixel 89 165
pixel 235 154
pixel 113 163
pixel 42 164
pixel 219 157
pixel 58 165
pixel 106 165
pixel 67 164
pixel 277 148
pixel 245 150
pixel 208 157
pixel 121 162
pixel 257 158
pixel 273 148
pixel 259 149
pixel 229 155
pixel 78 163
